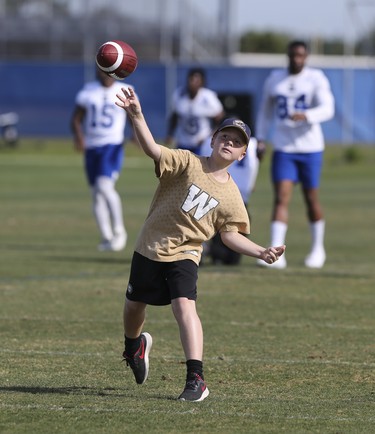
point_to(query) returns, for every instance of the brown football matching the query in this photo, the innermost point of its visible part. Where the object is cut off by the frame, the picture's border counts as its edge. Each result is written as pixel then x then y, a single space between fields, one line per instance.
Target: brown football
pixel 117 59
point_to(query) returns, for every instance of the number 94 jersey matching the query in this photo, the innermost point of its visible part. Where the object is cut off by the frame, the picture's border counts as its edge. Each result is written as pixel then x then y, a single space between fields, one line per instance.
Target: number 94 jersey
pixel 286 94
pixel 104 121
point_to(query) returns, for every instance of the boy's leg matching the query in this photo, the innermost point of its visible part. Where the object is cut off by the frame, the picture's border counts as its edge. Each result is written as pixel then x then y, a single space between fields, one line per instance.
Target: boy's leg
pixel 134 318
pixel 137 344
pixel 191 335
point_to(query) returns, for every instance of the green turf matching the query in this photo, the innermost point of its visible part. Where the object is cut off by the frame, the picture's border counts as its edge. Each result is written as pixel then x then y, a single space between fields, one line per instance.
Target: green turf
pixel 285 351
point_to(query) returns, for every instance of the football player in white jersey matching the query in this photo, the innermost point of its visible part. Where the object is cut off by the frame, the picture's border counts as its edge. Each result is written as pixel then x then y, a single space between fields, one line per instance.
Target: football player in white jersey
pixel 195 111
pixel 98 127
pixel 296 100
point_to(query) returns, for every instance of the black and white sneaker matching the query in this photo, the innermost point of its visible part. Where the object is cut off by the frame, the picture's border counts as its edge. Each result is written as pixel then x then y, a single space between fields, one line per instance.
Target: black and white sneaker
pixel 139 362
pixel 195 389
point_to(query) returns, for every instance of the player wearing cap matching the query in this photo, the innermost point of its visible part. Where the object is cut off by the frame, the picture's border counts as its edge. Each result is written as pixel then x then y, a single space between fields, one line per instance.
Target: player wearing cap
pixel 298 99
pixel 196 197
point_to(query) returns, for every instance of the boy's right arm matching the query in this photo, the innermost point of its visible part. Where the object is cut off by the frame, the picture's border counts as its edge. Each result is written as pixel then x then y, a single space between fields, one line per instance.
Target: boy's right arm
pixel 130 103
pixel 243 245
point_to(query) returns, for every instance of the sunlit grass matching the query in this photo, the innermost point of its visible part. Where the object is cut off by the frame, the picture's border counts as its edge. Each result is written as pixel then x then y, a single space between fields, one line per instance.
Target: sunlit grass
pixel 285 351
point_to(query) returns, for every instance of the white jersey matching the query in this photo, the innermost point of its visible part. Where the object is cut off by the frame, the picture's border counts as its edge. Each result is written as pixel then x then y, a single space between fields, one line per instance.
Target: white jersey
pixel 104 121
pixel 194 115
pixel 244 172
pixel 285 94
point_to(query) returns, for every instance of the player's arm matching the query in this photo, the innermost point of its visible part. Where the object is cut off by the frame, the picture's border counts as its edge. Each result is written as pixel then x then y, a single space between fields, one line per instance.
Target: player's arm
pixel 324 109
pixel 78 116
pixel 243 245
pixel 261 149
pixel 264 119
pixel 129 101
pixel 172 124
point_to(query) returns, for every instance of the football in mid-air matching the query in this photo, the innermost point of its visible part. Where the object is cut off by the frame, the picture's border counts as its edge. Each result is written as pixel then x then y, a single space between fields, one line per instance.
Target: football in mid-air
pixel 117 59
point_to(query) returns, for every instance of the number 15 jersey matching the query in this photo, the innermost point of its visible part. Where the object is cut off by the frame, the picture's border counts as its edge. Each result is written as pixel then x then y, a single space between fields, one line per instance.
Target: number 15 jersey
pixel 285 94
pixel 104 121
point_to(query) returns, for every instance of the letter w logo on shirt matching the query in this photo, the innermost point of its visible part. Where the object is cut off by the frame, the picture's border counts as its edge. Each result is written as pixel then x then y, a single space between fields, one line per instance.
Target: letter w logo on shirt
pixel 198 199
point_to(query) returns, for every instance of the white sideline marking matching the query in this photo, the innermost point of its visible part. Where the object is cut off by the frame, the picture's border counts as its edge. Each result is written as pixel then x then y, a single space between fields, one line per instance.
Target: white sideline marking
pixel 191 411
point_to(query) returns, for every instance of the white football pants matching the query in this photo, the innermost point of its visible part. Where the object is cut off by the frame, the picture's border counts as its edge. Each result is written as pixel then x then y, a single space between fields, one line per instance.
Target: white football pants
pixel 107 208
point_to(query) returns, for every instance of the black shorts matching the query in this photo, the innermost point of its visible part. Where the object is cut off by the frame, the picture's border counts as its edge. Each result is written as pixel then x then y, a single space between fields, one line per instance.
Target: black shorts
pixel 157 283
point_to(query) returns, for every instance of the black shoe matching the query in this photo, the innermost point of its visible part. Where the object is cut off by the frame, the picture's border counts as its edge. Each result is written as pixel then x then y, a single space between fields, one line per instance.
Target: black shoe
pixel 195 389
pixel 139 362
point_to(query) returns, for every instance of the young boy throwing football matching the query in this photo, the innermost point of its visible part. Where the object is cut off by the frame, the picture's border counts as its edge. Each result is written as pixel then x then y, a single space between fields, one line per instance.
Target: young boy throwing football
pixel 195 199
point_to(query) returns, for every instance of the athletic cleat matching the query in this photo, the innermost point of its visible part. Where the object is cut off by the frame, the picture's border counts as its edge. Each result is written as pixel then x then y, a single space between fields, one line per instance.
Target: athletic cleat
pixel 139 362
pixel 280 264
pixel 118 242
pixel 195 389
pixel 315 259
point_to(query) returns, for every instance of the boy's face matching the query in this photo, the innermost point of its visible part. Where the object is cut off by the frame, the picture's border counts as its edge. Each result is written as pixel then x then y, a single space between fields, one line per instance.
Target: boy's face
pixel 229 143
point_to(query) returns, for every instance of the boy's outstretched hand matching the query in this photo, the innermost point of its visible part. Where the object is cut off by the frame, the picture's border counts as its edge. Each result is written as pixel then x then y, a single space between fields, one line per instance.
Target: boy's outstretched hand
pixel 129 102
pixel 272 254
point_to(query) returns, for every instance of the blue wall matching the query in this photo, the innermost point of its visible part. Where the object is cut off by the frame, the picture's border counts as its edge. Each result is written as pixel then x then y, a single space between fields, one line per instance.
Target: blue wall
pixel 43 95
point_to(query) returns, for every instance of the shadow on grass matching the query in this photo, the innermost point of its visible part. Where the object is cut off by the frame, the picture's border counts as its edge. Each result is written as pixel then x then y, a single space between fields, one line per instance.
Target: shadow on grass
pixel 72 390
pixel 83 390
pixel 294 272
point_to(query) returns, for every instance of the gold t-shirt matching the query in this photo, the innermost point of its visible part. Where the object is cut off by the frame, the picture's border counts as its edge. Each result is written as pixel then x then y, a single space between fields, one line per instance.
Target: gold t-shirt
pixel 188 208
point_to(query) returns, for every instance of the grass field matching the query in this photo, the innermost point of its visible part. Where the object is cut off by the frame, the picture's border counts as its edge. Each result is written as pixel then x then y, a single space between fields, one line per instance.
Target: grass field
pixel 285 350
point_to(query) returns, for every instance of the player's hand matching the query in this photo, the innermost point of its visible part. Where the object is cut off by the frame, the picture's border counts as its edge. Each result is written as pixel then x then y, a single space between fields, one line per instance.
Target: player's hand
pixel 129 102
pixel 261 150
pixel 272 254
pixel 298 117
pixel 79 145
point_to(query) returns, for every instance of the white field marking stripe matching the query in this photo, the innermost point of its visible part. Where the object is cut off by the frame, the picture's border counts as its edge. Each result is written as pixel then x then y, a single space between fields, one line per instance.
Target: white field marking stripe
pixel 220 358
pixel 172 321
pixel 192 411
